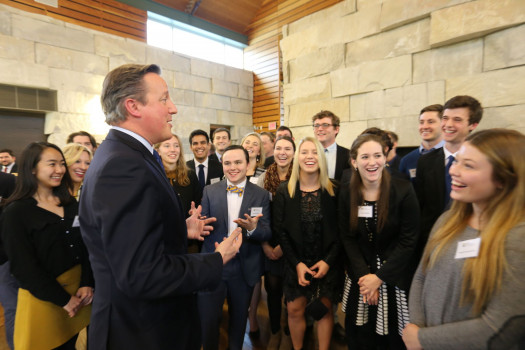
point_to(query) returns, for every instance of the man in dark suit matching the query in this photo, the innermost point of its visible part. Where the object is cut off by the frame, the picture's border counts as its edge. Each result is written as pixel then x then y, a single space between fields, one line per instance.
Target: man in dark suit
pixel 208 170
pixel 326 128
pixel 461 115
pixel 234 202
pixel 7 161
pixel 135 230
pixel 222 138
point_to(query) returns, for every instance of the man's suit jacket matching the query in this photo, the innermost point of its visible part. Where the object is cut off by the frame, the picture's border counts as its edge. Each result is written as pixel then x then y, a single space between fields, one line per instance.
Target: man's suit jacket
pixel 430 190
pixel 214 157
pixel 342 161
pixel 134 228
pixel 7 186
pixel 215 204
pixel 13 170
pixel 214 169
pixel 395 244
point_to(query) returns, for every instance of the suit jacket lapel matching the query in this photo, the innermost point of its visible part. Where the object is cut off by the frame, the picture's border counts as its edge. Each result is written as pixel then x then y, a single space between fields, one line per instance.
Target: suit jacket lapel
pixel 148 157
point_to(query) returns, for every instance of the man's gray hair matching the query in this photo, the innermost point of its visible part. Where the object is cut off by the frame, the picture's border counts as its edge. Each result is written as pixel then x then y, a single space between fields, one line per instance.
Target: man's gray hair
pixel 120 84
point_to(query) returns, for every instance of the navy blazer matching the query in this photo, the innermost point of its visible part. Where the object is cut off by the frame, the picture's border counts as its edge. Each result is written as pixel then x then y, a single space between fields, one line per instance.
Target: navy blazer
pixel 214 169
pixel 395 244
pixel 135 231
pixel 214 204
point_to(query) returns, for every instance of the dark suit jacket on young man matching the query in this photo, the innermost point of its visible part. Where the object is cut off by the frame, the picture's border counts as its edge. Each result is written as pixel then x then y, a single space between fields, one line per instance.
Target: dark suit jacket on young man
pixel 250 260
pixel 214 169
pixel 342 161
pixel 430 190
pixel 135 231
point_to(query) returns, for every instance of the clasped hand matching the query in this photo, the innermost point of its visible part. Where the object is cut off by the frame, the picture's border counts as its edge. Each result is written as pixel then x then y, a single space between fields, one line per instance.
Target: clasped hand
pixel 83 297
pixel 318 270
pixel 369 288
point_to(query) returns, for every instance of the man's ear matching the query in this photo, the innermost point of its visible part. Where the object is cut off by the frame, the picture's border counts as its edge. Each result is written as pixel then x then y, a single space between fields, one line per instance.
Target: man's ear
pixel 133 107
pixel 472 126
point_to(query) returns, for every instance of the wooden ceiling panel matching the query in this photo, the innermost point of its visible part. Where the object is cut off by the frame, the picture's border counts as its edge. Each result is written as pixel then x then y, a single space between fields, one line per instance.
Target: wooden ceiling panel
pixel 235 15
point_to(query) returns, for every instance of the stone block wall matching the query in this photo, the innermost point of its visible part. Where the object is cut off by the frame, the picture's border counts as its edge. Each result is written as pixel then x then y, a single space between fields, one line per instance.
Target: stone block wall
pixel 378 62
pixel 42 52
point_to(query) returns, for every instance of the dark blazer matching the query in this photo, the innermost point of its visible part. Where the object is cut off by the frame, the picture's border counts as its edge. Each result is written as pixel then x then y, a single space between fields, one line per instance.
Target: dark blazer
pixel 214 204
pixel 395 244
pixel 286 223
pixel 430 190
pixel 135 231
pixel 214 169
pixel 214 157
pixel 342 161
pixel 189 193
pixel 269 161
pixel 7 186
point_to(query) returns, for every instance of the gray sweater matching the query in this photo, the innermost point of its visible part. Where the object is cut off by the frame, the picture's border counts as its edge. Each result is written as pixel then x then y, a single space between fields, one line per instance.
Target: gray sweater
pixel 434 301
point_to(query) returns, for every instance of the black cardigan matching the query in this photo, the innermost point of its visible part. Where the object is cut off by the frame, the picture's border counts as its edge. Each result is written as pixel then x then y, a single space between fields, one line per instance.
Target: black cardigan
pixel 41 246
pixel 286 224
pixel 395 244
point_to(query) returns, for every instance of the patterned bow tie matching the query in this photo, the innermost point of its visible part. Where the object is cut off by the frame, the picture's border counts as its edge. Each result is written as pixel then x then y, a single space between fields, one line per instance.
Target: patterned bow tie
pixel 235 189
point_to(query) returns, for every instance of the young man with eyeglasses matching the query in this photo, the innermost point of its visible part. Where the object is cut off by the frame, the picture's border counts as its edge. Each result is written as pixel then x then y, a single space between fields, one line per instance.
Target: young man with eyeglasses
pixel 326 128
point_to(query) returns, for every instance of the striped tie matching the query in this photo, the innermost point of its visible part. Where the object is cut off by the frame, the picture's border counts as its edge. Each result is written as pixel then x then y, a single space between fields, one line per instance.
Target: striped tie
pixel 235 189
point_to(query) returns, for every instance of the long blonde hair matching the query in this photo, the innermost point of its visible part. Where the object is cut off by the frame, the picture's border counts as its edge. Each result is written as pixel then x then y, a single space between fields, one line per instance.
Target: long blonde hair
pixel 180 174
pixel 482 276
pixel 261 158
pixel 324 180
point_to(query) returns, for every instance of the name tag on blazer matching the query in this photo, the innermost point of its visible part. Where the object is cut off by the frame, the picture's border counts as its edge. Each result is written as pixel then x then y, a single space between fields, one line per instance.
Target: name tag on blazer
pixel 215 180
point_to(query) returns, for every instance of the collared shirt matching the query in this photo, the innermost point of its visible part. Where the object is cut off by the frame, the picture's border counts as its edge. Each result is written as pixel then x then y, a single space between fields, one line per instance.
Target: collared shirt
pixel 136 137
pixel 423 150
pixel 331 158
pixel 448 154
pixel 205 163
pixel 219 156
pixel 234 205
pixel 8 168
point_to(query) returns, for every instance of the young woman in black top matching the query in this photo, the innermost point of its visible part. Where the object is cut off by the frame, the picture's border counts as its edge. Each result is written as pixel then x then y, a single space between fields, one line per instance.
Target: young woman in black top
pixel 41 235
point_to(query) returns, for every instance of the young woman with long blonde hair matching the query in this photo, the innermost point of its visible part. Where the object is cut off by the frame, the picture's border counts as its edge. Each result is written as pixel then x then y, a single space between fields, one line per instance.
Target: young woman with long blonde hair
pixel 305 219
pixel 469 289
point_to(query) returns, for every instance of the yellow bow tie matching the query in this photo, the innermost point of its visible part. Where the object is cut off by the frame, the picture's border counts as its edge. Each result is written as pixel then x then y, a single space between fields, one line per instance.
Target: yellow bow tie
pixel 235 189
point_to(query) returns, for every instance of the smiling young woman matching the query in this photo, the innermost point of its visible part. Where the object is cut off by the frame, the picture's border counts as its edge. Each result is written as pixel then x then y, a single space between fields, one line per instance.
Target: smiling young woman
pixel 41 236
pixel 484 306
pixel 378 223
pixel 78 158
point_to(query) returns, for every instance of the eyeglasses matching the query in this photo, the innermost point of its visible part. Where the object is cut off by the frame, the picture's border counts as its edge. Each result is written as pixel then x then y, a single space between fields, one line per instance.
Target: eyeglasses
pixel 324 125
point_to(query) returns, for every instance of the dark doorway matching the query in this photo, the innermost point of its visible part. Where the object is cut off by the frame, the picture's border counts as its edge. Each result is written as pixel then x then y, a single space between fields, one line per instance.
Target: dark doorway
pixel 18 129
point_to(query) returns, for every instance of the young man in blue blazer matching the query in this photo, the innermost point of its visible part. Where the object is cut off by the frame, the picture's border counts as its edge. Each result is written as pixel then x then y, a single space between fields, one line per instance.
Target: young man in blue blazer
pixel 234 202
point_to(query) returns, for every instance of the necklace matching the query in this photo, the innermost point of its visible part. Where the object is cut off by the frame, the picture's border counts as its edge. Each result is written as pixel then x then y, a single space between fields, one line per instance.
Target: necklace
pixel 371 220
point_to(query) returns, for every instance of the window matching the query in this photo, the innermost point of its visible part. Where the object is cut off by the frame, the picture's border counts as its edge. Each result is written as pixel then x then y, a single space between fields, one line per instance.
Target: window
pixel 176 36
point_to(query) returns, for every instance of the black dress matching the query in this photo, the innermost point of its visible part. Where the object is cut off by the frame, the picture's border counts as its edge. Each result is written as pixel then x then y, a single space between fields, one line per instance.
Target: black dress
pixel 312 230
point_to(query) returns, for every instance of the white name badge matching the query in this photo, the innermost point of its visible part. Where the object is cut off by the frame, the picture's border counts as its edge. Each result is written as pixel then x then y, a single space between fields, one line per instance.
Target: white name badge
pixel 365 211
pixel 76 222
pixel 215 180
pixel 468 248
pixel 254 179
pixel 255 211
pixel 412 173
